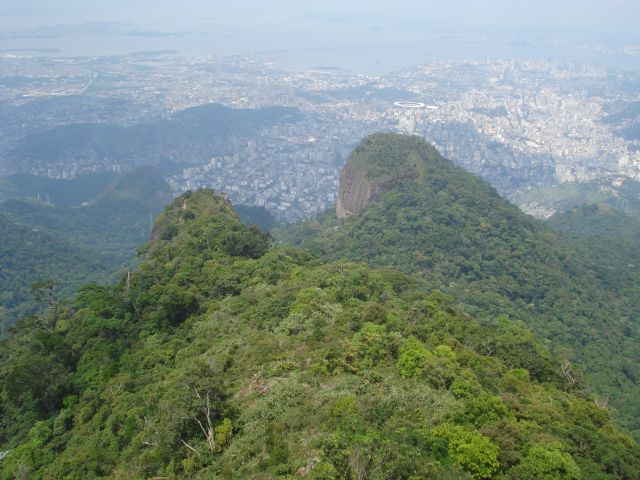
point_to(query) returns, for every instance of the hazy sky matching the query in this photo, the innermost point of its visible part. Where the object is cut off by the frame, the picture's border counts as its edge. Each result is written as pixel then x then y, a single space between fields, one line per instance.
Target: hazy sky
pixel 593 15
pixel 359 35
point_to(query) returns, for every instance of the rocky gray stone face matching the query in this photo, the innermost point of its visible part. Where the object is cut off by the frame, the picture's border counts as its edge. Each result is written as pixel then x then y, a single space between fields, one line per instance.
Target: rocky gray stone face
pixel 357 192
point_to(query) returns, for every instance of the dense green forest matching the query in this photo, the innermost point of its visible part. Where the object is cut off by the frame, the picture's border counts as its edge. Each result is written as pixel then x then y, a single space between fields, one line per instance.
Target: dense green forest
pixel 608 243
pixel 72 244
pixel 223 357
pixel 598 221
pixel 28 255
pixel 455 233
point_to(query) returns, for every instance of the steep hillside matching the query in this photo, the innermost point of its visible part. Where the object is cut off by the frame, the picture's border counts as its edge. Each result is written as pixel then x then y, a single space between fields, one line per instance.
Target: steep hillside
pixel 220 357
pixel 608 243
pixel 598 222
pixel 75 245
pixel 28 254
pixel 455 233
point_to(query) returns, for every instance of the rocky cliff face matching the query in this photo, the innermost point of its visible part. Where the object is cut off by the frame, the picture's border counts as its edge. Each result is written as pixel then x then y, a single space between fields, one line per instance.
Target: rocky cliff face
pixel 354 193
pixel 357 191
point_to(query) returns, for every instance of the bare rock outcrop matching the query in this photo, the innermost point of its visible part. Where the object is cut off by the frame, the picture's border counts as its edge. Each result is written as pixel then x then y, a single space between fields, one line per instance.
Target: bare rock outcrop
pixel 357 192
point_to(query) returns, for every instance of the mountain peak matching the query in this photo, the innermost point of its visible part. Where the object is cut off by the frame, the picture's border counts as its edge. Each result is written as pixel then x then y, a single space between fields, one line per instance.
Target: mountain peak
pixel 204 204
pixel 410 209
pixel 377 165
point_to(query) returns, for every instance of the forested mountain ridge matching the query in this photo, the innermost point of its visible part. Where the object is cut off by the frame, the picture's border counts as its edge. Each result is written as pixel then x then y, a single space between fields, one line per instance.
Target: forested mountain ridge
pixel 223 357
pixel 457 234
pixel 72 244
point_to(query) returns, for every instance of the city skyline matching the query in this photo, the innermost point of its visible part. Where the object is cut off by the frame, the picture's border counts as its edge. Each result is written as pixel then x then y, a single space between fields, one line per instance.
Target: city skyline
pixel 516 124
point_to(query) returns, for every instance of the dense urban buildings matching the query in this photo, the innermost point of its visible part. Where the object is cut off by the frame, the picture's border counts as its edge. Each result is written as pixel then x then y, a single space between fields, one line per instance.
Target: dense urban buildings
pixel 517 124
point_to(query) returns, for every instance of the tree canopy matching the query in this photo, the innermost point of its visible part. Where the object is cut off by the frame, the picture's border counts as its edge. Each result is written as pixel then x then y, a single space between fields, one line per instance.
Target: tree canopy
pixel 218 360
pixel 455 233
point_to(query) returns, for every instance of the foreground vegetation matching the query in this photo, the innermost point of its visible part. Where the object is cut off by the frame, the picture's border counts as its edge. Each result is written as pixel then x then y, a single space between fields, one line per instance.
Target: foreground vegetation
pixel 222 357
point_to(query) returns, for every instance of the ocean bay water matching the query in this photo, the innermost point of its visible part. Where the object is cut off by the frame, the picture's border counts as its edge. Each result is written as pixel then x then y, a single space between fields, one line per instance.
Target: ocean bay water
pixel 291 42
